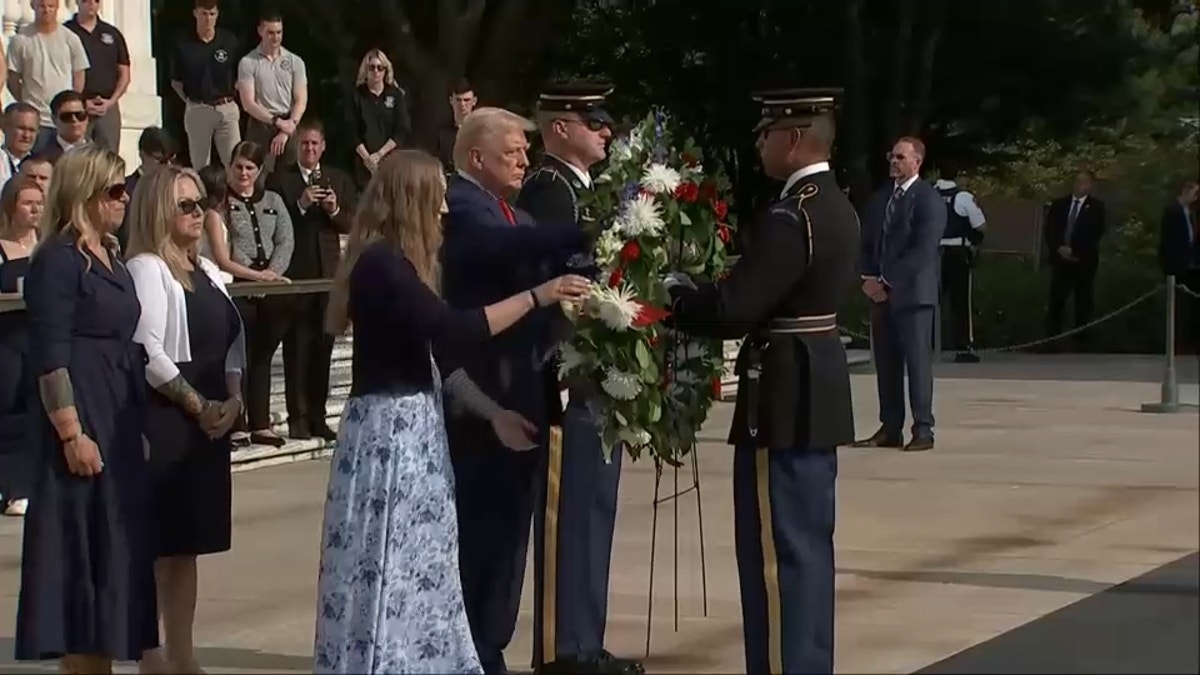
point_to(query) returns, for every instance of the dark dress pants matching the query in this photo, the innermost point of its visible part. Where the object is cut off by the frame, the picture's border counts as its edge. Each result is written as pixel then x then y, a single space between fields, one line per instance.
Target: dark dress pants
pixel 957 278
pixel 18 405
pixel 784 502
pixel 266 321
pixel 307 352
pixel 901 340
pixel 494 497
pixel 1077 281
pixel 573 527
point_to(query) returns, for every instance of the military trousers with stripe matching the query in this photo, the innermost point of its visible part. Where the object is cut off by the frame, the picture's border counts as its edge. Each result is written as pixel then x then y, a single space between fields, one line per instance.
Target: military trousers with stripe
pixel 784 509
pixel 574 519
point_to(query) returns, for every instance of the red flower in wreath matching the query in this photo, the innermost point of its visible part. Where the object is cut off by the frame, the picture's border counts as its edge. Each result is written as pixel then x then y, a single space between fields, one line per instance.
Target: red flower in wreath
pixel 724 233
pixel 615 278
pixel 721 209
pixel 630 252
pixel 687 192
pixel 717 389
pixel 648 315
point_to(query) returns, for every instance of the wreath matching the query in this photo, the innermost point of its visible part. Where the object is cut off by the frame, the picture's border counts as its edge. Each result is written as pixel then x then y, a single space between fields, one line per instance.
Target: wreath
pixel 655 209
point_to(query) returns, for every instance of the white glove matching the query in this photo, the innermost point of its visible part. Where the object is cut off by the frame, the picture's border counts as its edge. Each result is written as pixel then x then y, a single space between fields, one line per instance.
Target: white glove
pixel 678 279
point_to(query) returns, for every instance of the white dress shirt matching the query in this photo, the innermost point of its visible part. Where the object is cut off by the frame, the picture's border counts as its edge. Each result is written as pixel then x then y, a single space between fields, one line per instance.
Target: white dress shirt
pixel 163 327
pixel 803 172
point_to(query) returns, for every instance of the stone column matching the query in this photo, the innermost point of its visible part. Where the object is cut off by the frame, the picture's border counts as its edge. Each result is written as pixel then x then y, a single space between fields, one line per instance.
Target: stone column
pixel 141 106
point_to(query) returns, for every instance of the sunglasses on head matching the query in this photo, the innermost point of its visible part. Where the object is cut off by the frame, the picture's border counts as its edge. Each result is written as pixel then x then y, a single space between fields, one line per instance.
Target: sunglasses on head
pixel 190 207
pixel 69 116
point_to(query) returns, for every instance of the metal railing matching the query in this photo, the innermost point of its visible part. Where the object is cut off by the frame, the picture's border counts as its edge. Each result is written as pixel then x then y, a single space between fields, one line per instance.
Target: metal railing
pixel 12 302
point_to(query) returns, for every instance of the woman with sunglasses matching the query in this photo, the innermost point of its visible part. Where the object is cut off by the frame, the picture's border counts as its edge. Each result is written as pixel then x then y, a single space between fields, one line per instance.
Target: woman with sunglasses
pixel 377 115
pixel 195 351
pixel 87 576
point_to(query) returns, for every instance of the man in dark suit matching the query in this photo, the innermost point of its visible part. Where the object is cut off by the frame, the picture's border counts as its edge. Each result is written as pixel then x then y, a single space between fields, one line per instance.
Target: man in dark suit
pixel 490 251
pixel 320 201
pixel 902 229
pixel 1074 226
pixel 1179 255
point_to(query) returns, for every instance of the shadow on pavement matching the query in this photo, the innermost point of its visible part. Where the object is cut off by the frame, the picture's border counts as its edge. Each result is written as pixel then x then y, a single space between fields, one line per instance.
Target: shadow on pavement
pixel 1145 625
pixel 211 658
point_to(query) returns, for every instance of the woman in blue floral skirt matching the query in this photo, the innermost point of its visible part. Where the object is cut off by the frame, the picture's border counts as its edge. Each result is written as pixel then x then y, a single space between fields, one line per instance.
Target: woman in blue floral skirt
pixel 390 600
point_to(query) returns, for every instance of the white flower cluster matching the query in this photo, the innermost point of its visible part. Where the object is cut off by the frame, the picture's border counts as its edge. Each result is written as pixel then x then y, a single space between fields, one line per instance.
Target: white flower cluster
pixel 659 179
pixel 621 386
pixel 640 217
pixel 614 307
pixel 570 359
pixel 623 149
pixel 608 246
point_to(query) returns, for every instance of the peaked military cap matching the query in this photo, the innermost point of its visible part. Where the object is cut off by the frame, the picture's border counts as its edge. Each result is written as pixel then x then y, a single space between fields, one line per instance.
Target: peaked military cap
pixel 778 104
pixel 586 99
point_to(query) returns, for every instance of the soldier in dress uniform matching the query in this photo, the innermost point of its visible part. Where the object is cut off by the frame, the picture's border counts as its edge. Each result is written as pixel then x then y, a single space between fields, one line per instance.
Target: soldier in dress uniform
pixel 793 401
pixel 576 506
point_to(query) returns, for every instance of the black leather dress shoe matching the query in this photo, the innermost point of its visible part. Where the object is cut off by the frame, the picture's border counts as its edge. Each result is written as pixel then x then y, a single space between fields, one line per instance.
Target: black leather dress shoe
pixel 919 445
pixel 880 439
pixel 324 433
pixel 600 664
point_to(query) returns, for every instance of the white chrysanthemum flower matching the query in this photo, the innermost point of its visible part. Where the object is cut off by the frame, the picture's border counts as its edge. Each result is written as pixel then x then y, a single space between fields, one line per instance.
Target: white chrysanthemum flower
pixel 640 217
pixel 694 174
pixel 620 151
pixel 634 437
pixel 660 179
pixel 621 386
pixel 569 359
pixel 608 246
pixel 615 307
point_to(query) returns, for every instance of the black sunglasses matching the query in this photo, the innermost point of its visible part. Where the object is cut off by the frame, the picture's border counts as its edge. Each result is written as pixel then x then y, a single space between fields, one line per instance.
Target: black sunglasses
pixel 190 207
pixel 68 116
pixel 115 191
pixel 377 67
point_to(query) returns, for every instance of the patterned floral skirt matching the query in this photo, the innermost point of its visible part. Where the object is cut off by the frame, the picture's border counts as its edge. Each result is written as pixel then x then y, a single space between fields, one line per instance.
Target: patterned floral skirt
pixel 389 594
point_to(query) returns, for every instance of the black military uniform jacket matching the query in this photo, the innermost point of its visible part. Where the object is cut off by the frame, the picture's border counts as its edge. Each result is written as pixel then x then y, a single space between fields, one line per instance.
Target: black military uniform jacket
pixel 783 296
pixel 552 195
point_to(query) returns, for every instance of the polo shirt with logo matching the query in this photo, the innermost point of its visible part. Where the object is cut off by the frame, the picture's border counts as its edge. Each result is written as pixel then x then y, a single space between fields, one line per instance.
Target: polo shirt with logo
pixel 275 80
pixel 107 51
pixel 207 71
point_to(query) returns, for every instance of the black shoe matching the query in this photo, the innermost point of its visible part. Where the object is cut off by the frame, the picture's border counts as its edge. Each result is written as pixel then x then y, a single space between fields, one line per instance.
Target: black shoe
pixel 260 438
pixel 919 445
pixel 323 432
pixel 880 439
pixel 600 664
pixel 966 357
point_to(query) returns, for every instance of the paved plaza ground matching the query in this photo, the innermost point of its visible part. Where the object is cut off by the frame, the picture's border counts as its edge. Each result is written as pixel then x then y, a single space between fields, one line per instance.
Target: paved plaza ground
pixel 1053 529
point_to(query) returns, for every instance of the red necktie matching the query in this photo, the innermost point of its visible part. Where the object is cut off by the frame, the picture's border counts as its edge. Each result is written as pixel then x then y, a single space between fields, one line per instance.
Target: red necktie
pixel 508 212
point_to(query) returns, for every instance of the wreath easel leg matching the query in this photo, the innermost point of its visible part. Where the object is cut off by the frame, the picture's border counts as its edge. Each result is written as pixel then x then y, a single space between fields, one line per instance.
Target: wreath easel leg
pixel 657 502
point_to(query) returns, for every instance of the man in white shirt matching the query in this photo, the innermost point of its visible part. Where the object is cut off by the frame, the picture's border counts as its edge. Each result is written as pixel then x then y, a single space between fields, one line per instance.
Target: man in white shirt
pixel 964 232
pixel 45 58
pixel 20 133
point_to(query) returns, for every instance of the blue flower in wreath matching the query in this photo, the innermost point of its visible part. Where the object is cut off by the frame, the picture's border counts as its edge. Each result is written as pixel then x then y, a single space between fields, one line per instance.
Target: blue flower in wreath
pixel 631 190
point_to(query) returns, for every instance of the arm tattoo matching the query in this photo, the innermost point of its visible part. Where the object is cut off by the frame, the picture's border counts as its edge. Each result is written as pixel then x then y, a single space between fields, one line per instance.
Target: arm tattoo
pixel 182 394
pixel 56 391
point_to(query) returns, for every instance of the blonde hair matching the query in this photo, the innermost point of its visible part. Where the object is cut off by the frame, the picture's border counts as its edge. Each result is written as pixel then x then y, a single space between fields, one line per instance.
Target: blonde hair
pixel 389 73
pixel 80 178
pixel 402 207
pixel 481 126
pixel 153 210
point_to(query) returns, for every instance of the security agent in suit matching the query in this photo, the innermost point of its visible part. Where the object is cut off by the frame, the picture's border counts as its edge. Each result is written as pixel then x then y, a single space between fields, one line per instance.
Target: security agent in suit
pixel 793 402
pixel 1179 255
pixel 965 225
pixel 576 508
pixel 1075 224
pixel 320 200
pixel 899 262
pixel 490 251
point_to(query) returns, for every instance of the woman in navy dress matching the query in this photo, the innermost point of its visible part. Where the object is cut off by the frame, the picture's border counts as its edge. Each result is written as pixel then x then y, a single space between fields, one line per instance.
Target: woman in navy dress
pixel 195 353
pixel 389 595
pixel 87 577
pixel 21 203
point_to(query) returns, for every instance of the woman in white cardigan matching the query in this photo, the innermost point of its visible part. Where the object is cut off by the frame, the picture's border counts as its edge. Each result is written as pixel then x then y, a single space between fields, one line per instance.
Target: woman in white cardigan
pixel 195 344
